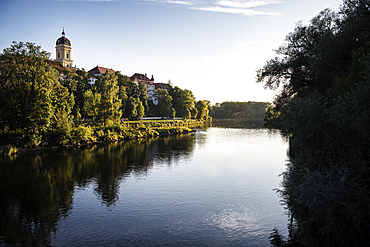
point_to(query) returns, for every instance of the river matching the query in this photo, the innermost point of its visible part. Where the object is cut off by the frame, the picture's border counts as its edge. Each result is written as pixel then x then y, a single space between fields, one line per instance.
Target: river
pixel 214 187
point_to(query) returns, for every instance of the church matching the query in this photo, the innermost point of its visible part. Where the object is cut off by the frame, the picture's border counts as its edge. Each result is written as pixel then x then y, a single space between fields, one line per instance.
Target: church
pixel 64 51
pixel 63 60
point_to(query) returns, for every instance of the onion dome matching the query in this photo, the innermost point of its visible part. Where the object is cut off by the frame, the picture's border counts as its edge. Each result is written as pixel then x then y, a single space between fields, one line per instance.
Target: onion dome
pixel 63 40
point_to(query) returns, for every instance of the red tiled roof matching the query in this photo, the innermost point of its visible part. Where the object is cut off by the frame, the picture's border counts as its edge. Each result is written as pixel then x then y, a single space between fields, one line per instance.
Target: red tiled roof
pixel 99 70
pixel 57 64
pixel 140 78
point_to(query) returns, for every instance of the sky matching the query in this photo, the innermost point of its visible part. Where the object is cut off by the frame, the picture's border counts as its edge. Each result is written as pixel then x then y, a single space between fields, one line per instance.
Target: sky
pixel 211 47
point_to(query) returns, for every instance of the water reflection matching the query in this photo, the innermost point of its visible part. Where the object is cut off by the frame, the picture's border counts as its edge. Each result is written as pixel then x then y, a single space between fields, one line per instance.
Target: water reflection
pixel 36 189
pixel 245 123
pixel 210 188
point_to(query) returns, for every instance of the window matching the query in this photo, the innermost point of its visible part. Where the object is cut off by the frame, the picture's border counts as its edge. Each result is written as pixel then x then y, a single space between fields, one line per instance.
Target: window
pixel 67 55
pixel 58 54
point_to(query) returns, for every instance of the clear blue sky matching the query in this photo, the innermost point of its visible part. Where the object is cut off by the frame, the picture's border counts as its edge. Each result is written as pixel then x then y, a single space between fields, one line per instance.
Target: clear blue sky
pixel 212 47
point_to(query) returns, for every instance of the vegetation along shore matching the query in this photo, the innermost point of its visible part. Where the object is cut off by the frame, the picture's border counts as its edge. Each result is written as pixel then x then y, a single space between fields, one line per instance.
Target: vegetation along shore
pixel 42 105
pixel 88 135
pixel 323 72
pixel 46 106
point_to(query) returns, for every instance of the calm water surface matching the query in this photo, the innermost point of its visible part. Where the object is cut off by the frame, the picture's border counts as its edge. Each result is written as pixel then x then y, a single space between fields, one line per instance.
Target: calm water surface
pixel 210 188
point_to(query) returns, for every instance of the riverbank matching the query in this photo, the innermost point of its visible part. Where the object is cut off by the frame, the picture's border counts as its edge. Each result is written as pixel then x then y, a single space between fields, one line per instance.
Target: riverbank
pixel 86 134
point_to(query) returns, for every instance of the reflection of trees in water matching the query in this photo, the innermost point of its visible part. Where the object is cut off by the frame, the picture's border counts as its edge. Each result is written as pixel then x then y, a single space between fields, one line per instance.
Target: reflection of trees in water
pixel 170 150
pixel 36 190
pixel 35 195
pixel 238 123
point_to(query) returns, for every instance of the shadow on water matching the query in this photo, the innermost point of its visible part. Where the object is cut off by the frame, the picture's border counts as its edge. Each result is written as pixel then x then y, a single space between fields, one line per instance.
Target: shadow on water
pixel 36 189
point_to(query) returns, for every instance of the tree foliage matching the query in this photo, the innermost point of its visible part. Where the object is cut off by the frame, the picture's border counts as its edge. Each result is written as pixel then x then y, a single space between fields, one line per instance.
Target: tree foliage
pixel 183 101
pixel 110 103
pixel 202 109
pixel 228 110
pixel 31 92
pixel 323 72
pixel 41 103
pixel 164 105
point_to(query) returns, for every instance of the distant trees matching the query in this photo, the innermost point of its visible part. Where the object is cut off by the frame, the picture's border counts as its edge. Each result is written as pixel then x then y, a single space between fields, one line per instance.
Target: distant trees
pixel 228 110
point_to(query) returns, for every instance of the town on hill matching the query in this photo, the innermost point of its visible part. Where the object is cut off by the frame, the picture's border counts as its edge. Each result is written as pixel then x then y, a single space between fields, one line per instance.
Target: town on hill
pixel 52 101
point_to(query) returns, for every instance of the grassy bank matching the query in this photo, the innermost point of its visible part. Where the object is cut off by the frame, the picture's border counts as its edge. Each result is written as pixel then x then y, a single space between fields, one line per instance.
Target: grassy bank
pixel 86 133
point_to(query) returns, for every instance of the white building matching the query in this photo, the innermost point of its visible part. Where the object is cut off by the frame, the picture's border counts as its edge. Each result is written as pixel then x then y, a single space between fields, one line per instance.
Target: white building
pixel 149 83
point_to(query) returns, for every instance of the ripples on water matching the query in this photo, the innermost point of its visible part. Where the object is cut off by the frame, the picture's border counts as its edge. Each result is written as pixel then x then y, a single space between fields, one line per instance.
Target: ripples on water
pixel 211 188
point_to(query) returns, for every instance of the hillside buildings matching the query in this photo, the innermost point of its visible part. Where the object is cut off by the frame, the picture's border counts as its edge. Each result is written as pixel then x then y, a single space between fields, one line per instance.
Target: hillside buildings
pixel 149 83
pixel 97 71
pixel 63 50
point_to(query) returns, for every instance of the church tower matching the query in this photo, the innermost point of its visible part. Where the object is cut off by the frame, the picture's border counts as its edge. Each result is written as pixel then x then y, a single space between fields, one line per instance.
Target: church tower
pixel 63 51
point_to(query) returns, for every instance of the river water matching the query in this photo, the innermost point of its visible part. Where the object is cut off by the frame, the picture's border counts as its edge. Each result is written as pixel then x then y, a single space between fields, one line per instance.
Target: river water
pixel 210 188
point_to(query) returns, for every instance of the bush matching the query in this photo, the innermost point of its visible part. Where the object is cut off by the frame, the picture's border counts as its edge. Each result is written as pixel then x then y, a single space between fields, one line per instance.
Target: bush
pixel 83 134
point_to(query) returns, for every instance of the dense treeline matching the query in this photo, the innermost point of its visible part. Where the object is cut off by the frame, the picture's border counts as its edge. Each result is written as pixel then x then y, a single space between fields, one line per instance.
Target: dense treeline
pixel 228 110
pixel 40 103
pixel 323 71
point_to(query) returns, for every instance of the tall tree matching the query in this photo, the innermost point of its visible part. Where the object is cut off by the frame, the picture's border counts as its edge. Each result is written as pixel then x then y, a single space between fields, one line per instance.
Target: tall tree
pixel 110 103
pixel 303 62
pixel 164 102
pixel 143 95
pixel 140 109
pixel 91 104
pixel 202 108
pixel 28 89
pixel 324 72
pixel 183 101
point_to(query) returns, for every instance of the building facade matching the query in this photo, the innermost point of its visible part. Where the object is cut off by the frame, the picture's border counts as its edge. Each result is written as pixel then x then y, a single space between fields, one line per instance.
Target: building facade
pixel 149 83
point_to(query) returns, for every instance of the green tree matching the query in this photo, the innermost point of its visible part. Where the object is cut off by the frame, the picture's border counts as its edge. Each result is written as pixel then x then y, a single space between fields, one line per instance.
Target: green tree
pixel 306 62
pixel 123 97
pixel 28 88
pixel 183 101
pixel 131 107
pixel 164 102
pixel 324 73
pixel 143 95
pixel 110 103
pixel 77 83
pixel 140 109
pixel 91 104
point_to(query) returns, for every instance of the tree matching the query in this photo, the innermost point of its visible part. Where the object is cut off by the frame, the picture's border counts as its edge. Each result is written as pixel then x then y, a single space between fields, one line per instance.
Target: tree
pixel 123 97
pixel 164 102
pixel 324 107
pixel 110 103
pixel 304 60
pixel 28 89
pixel 183 101
pixel 140 109
pixel 143 96
pixel 91 104
pixel 131 108
pixel 77 83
